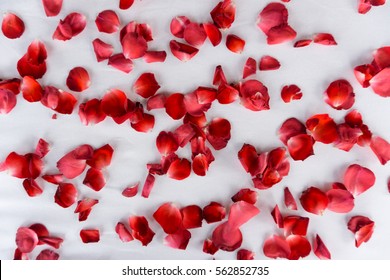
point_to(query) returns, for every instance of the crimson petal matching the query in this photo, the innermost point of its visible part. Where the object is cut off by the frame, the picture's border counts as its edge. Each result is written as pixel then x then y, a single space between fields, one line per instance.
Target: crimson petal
pixel 381 148
pixel 102 50
pixel 94 179
pixel 300 146
pixel 131 191
pixel 314 200
pixel 155 56
pixel 289 200
pixel 178 240
pixel 320 249
pixel 268 63
pixel 244 254
pixel 141 229
pixel 235 43
pixel 224 14
pixel 380 83
pixel 194 34
pixel 249 68
pixel 358 179
pixel 276 247
pixel 47 255
pixel 107 21
pixel 192 216
pixel 90 235
pixel 66 195
pixel 362 227
pixel 323 128
pixel 125 4
pixel 7 101
pixel 73 163
pixel 277 216
pixel 246 195
pixel 214 212
pixel 290 93
pixel 213 33
pixel 91 112
pixel 254 95
pixel 12 26
pixel 146 85
pixel 339 95
pixel 120 62
pixel 340 201
pixel 32 188
pixel 209 247
pixel 218 133
pixel 295 225
pixel 134 45
pixel 52 7
pixel 182 51
pixel 123 233
pixel 60 101
pixel 227 238
pixel 179 169
pixel 299 245
pixel 78 79
pixel 169 217
pixel 114 103
pixel 72 25
pixel 324 39
pixel 178 25
pixel 101 157
pixel 240 213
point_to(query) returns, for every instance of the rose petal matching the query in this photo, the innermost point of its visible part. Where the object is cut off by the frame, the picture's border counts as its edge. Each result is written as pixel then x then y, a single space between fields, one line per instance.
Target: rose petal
pixel 125 4
pixel 134 45
pixel 223 14
pixel 268 63
pixel 382 57
pixel 131 191
pixel 166 143
pixel 362 227
pixel 244 254
pixel 192 216
pixel 26 239
pixel 218 133
pixel 146 85
pixel 179 169
pixel 107 21
pixel 227 238
pixel 53 178
pixel 90 235
pixel 94 179
pixel 249 68
pixel 47 255
pixel 219 76
pixel 300 146
pixel 320 249
pixel 121 63
pixel 289 200
pixel 380 83
pixel 169 217
pixel 194 34
pixel 66 195
pixel 364 74
pixel 60 101
pixel 240 213
pixel 323 128
pixel 295 225
pixel 178 240
pixel 182 51
pixel 73 163
pixel 254 95
pixel 114 103
pixel 33 63
pixel 324 39
pixel 281 34
pixel 123 233
pixel 101 157
pixel 72 25
pixel 214 212
pixel 31 89
pixel 84 206
pixel 276 247
pixel 246 195
pixel 314 200
pixel 52 7
pixel 141 229
pixel 358 179
pixel 277 216
pixel 102 50
pixel 145 125
pixel 213 33
pixel 91 112
pixel 381 149
pixel 174 106
pixel 339 95
pixel 235 43
pixel 12 26
pixel 7 101
pixel 290 93
pixel 155 56
pixel 340 201
pixel 32 188
pixel 78 79
pixel 302 43
pixel 299 245
pixel 209 247
pixel 178 25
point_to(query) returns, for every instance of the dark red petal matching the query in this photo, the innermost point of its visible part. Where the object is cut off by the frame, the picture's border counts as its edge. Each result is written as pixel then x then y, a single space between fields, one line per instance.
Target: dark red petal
pixel 178 24
pixel 131 191
pixel 52 7
pixel 47 255
pixel 66 195
pixel 358 179
pixel 175 107
pixel 219 76
pixel 277 216
pixel 32 188
pixel 192 216
pixel 40 230
pixel 179 169
pixel 125 4
pixel 114 103
pixel 26 68
pixel 295 225
pixel 209 247
pixel 145 125
pixel 141 229
pixel 78 79
pixel 182 51
pixel 72 25
pixel 213 33
pixel 246 195
pixel 148 185
pixel 26 239
pixel 101 157
pixel 42 148
pixel 155 56
pixel 12 85
pixel 289 200
pixel 146 85
pixel 214 212
pixel 194 34
pixel 268 63
pixel 320 249
pixel 235 43
pixel 281 34
pixel 324 39
pixel 381 148
pixel 254 95
pixel 73 163
pixel 21 256
pixel 300 146
pixel 340 201
pixel 299 245
pixel 276 247
pixel 240 213
pixel 199 101
pixel 94 179
pixel 224 14
pixel 227 94
pixel 226 237
pixel 314 200
pixel 107 21
pixel 102 50
pixel 134 45
pixel 91 112
pixel 90 235
pixel 200 164
pixel 249 68
pixel 178 240
pixel 36 52
pixel 323 128
pixel 7 101
pixel 362 227
pixel 123 233
pixel 60 101
pixel 302 43
pixel 121 63
pixel 290 93
pixel 12 26
pixel 244 254
pixel 380 83
pixel 218 133
pixel 339 95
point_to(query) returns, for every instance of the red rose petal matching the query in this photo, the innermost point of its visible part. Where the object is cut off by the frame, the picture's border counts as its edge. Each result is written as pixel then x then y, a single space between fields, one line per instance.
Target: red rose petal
pixel 166 143
pixel 246 195
pixel 194 34
pixel 107 21
pixel 364 6
pixel 199 101
pixel 155 56
pixel 235 43
pixel 324 39
pixel 276 247
pixel 200 164
pixel 134 45
pixel 94 179
pixel 141 229
pixel 148 185
pixel 182 51
pixel 380 83
pixel 114 103
pixel 364 74
pixel 268 63
pixel 32 188
pixel 314 200
pixel 358 179
pixel 244 254
pixel 299 245
pixel 42 148
pixel 249 68
pixel 131 191
pixel 21 256
pixel 146 85
pixel 289 200
pixel 48 255
pixel 12 26
pixel 169 217
pixel 219 76
pixel 223 14
pixel 362 227
pixel 213 33
pixel 91 112
pixel 295 225
pixel 178 240
pixel 227 238
pixel 101 157
pixel 281 34
pixel 78 79
pixel 121 63
pixel 33 62
pixel 381 148
pixel 254 95
pixel 175 107
pixel 178 25
pixel 7 101
pixel 277 216
pixel 90 235
pixel 240 213
pixel 52 7
pixel 300 146
pixel 31 89
pixel 54 179
pixel 84 208
pixel 290 93
pixel 72 25
pixel 320 249
pixel 123 233
pixel 26 240
pixel 340 201
pixel 218 133
pixel 179 169
pixel 192 216
pixel 17 166
pixel 323 128
pixel 227 94
pixel 274 14
pixel 73 163
pixel 382 57
pixel 12 85
pixel 145 125
pixel 302 43
pixel 157 101
pixel 339 95
pixel 125 4
pixel 60 101
pixel 209 247
pixel 214 212
pixel 66 195
pixel 54 242
pixel 102 50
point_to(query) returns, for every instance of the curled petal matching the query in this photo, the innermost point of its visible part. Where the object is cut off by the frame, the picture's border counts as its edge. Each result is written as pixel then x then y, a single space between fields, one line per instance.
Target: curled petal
pixel 219 76
pixel 12 26
pixel 123 233
pixel 276 247
pixel 362 227
pixel 90 235
pixel 235 43
pixel 178 25
pixel 178 240
pixel 52 7
pixel 302 43
pixel 26 239
pixel 131 191
pixel 339 95
pixel 78 79
pixel 84 208
pixel 7 101
pixel 53 178
pixel 277 216
pixel 320 249
pixel 214 212
pixel 121 63
pixel 48 254
pixel 274 14
pixel 268 63
pixel 213 33
pixel 364 73
pixel 290 93
pixel 218 133
pixel 324 39
pixel 12 85
pixel 340 201
pixel 91 112
pixel 314 200
pixel 299 245
pixel 194 34
pixel 72 25
pixel 66 195
pixel 300 146
pixel 73 163
pixel 381 149
pixel 102 50
pixel 192 216
pixel 224 14
pixel 182 51
pixel 254 95
pixel 107 21
pixel 141 230
pixel 146 85
pixel 358 179
pixel 246 195
pixel 179 169
pixel 289 200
